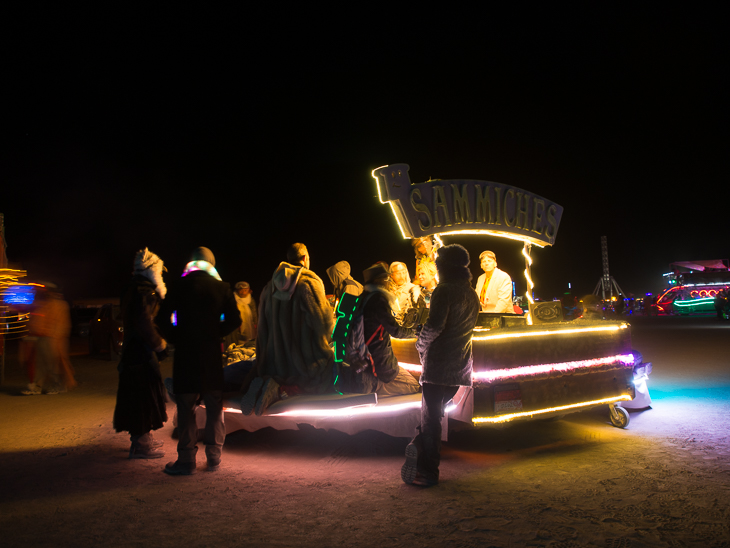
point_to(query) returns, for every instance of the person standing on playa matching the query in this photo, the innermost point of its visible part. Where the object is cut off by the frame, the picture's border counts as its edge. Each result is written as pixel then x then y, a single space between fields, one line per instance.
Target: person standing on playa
pixel 140 407
pixel 205 311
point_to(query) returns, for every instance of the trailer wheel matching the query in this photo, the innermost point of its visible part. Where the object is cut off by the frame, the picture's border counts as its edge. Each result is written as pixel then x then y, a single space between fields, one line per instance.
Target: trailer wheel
pixel 619 416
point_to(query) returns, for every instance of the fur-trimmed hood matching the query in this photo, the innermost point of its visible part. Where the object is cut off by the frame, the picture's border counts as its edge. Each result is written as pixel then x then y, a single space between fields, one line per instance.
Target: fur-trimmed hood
pixel 285 279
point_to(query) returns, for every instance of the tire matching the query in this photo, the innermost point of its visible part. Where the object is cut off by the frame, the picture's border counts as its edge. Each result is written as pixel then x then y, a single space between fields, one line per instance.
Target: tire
pixel 619 416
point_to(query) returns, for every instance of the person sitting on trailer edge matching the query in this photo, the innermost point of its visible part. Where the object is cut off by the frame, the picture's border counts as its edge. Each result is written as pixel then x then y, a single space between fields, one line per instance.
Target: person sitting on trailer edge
pixel 293 351
pixel 339 275
pixel 379 325
pixel 404 290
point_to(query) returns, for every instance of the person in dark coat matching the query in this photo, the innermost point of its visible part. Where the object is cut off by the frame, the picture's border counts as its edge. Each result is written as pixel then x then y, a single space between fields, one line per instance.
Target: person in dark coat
pixel 205 312
pixel 444 346
pixel 379 325
pixel 140 404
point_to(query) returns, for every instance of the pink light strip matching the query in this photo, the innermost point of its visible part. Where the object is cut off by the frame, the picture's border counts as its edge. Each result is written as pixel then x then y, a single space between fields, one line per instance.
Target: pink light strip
pixel 350 411
pixel 490 376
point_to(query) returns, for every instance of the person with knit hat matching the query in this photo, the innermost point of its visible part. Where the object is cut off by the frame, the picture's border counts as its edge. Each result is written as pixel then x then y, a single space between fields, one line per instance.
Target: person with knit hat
pixel 205 311
pixel 444 346
pixel 140 406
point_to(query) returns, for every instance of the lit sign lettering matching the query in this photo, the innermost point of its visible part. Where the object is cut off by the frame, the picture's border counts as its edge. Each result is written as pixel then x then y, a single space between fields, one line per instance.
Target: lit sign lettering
pixel 466 207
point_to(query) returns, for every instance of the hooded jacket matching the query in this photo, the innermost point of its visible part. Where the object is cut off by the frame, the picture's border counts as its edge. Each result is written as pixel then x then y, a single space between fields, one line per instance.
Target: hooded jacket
pixel 294 332
pixel 339 275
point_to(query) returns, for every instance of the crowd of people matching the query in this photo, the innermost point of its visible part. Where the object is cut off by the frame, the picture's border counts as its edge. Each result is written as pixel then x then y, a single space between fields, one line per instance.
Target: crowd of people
pixel 292 329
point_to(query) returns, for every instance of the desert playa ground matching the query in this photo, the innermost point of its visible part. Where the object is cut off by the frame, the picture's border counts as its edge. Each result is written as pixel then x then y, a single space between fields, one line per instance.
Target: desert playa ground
pixel 65 479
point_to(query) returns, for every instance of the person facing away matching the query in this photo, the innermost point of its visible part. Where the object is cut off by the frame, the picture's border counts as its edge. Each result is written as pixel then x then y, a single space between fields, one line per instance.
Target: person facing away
pixel 140 406
pixel 294 335
pixel 494 287
pixel 444 346
pixel 205 311
pixel 379 325
pixel 339 275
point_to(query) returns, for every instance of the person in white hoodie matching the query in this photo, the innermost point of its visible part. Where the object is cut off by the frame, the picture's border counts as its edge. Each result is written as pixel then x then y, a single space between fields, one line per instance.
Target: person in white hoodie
pixel 494 287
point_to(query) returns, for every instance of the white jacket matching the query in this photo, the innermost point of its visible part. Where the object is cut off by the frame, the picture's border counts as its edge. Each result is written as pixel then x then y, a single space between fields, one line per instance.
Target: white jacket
pixel 499 292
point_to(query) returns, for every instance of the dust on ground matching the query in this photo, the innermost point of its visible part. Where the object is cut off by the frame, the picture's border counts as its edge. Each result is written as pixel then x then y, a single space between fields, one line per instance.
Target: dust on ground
pixel 665 481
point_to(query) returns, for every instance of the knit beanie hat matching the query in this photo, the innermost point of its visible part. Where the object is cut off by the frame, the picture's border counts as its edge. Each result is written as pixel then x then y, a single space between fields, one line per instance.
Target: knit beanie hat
pixel 452 255
pixel 203 254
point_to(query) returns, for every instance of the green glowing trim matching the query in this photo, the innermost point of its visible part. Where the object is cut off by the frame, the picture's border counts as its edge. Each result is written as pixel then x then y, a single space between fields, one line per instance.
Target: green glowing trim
pixel 345 311
pixel 694 302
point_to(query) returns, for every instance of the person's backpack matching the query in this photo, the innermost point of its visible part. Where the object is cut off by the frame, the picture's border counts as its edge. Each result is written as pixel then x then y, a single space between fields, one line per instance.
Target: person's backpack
pixel 353 362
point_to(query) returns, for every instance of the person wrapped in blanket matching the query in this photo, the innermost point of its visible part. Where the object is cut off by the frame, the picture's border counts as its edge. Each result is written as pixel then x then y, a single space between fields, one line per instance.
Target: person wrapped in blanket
pixel 293 347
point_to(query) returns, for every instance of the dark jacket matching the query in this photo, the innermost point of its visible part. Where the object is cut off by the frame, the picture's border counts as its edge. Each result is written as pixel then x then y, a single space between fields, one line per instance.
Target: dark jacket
pixel 140 304
pixel 445 340
pixel 379 311
pixel 206 312
pixel 140 403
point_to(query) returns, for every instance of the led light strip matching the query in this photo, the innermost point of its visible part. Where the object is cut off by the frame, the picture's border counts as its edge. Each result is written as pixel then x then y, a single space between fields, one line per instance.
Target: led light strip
pixel 530 285
pixel 369 409
pixel 347 411
pixel 695 302
pixel 546 332
pixel 512 416
pixel 497 233
pixel 529 370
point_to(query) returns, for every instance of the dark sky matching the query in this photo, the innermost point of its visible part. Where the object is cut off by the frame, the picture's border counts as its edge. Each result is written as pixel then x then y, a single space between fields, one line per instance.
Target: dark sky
pixel 246 131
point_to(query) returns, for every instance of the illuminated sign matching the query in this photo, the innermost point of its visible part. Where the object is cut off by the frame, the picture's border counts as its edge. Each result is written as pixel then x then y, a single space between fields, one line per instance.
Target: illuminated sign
pixel 466 207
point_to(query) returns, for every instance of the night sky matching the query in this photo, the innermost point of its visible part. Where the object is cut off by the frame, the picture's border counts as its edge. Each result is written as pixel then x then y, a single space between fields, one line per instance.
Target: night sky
pixel 247 131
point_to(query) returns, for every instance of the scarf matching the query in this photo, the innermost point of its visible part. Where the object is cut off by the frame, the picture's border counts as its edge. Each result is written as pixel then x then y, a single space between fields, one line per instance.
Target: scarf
pixel 205 266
